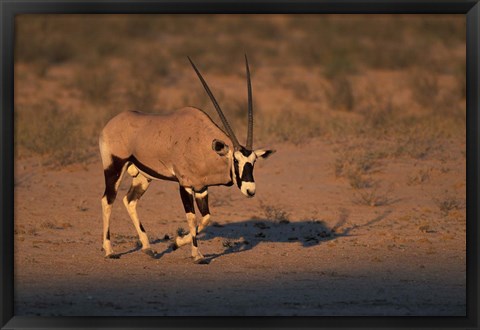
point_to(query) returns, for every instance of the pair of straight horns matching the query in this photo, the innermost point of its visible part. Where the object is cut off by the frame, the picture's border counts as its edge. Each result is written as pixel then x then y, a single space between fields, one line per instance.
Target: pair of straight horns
pixel 237 146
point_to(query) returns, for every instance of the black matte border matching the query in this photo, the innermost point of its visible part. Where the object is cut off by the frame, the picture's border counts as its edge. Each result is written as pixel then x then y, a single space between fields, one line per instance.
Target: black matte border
pixel 10 8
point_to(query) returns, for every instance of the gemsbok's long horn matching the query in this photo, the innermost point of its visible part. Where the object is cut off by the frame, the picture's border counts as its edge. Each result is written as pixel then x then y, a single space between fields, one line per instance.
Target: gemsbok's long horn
pixel 217 107
pixel 250 108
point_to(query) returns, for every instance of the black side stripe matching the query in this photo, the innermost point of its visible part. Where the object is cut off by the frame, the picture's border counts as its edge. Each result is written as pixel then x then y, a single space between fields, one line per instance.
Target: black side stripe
pixel 149 171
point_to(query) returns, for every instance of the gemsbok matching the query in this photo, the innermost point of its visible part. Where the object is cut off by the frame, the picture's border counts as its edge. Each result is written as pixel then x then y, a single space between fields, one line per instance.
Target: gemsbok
pixel 185 146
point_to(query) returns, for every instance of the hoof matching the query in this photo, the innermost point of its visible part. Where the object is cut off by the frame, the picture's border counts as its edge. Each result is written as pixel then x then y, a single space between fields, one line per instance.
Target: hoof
pixel 174 246
pixel 112 256
pixel 150 252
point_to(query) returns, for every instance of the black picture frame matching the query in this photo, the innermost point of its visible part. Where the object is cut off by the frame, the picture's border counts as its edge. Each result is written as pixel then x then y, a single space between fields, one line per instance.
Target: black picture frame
pixel 10 8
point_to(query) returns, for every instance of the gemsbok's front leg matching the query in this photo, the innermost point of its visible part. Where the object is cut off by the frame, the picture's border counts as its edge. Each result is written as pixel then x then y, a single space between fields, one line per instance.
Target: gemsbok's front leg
pixel 202 203
pixel 187 195
pixel 201 198
pixel 139 185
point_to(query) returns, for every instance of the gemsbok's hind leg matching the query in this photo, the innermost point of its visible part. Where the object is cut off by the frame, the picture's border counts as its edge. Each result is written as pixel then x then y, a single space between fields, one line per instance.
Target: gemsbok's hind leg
pixel 113 175
pixel 202 203
pixel 139 185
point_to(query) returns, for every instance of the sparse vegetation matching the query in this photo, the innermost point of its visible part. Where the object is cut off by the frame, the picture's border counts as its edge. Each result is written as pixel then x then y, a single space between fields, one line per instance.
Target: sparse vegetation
pixel 49 131
pixel 355 164
pixel 103 65
pixel 374 198
pixel 424 87
pixel 54 225
pixel 358 181
pixel 449 203
pixel 423 175
pixel 95 84
pixel 274 213
pixel 341 95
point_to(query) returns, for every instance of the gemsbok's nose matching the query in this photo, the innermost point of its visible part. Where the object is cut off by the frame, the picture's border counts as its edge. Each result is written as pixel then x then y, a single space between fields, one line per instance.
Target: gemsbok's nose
pixel 250 193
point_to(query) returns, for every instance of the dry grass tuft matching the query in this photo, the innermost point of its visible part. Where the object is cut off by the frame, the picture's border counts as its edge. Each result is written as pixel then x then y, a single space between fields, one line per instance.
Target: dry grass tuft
pixel 422 176
pixel 449 203
pixel 374 198
pixel 358 181
pixel 275 213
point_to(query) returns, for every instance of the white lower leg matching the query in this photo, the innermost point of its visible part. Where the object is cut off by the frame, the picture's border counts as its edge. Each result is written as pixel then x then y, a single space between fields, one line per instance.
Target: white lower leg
pixel 183 240
pixel 107 211
pixel 204 223
pixel 192 225
pixel 132 211
pixel 187 239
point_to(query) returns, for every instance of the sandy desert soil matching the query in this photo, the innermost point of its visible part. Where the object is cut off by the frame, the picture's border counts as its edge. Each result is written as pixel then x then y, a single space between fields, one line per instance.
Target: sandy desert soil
pixel 303 246
pixel 360 212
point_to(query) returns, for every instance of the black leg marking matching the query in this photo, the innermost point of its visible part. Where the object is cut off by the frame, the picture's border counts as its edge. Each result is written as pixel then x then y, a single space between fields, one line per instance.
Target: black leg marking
pixel 141 227
pixel 202 204
pixel 194 241
pixel 112 175
pixel 187 200
pixel 108 234
pixel 134 193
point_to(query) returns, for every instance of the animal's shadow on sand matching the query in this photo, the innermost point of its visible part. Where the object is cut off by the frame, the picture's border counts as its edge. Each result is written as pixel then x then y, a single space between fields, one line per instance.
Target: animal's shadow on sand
pixel 245 235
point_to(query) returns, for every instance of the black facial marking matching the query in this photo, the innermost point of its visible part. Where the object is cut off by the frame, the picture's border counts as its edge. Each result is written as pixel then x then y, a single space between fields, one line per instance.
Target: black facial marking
pixel 141 227
pixel 112 175
pixel 247 175
pixel 108 235
pixel 187 200
pixel 237 173
pixel 245 152
pixel 194 241
pixel 202 204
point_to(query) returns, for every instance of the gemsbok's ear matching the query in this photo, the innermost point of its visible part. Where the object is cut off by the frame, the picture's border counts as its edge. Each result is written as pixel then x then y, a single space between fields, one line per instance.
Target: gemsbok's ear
pixel 263 153
pixel 220 147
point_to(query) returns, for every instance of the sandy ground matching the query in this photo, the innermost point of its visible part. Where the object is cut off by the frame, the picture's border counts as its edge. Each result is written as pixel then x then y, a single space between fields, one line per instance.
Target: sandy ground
pixel 304 245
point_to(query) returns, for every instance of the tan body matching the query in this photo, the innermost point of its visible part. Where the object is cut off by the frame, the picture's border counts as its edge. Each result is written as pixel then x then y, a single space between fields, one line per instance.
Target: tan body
pixel 177 146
